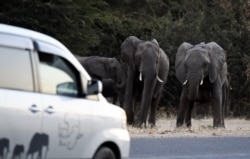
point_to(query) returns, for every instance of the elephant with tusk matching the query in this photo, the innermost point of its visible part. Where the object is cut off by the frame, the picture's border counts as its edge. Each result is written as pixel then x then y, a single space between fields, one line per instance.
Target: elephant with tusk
pixel 147 71
pixel 202 70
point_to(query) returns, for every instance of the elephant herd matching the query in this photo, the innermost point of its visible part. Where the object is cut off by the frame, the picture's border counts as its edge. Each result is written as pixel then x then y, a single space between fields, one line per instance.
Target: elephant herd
pixel 139 78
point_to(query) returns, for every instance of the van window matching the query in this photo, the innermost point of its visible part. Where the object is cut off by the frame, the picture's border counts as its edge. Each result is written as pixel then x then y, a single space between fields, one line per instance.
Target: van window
pixel 57 76
pixel 15 69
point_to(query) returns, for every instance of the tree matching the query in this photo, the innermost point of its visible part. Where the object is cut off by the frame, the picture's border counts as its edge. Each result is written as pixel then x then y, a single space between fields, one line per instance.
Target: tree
pixel 98 27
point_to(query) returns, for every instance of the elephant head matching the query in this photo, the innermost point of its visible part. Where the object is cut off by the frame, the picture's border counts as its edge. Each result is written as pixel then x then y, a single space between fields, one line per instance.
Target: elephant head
pixel 195 62
pixel 147 60
pixel 104 68
pixel 116 72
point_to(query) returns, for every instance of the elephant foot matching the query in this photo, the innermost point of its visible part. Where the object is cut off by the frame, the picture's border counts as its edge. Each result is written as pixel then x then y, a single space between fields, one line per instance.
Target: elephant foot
pixel 179 124
pixel 130 118
pixel 218 124
pixel 151 122
pixel 151 125
pixel 189 124
pixel 140 124
pixel 130 121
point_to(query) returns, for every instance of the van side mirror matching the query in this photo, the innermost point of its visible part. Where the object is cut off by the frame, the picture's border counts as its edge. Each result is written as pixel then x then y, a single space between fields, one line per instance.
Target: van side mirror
pixel 94 87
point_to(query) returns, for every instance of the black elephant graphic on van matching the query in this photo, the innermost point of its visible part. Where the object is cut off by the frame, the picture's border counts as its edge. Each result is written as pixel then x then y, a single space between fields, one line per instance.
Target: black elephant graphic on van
pixel 17 152
pixel 37 143
pixel 4 147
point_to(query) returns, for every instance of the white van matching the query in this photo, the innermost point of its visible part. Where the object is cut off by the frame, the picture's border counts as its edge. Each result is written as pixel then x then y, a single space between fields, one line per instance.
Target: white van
pixel 49 106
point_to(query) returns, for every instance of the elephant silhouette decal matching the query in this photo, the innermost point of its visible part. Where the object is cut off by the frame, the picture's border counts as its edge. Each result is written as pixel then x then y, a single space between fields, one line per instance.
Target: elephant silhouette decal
pixel 18 151
pixel 70 131
pixel 37 143
pixel 4 148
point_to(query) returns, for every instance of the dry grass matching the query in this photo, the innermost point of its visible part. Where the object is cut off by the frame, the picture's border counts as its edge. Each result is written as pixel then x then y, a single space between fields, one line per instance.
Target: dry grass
pixel 200 128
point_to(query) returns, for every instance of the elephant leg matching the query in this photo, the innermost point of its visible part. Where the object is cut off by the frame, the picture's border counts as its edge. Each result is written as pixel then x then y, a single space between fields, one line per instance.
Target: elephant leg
pixel 217 105
pixel 128 104
pixel 40 154
pixel 194 112
pixel 115 99
pixel 136 103
pixel 224 103
pixel 182 108
pixel 152 115
pixel 121 100
pixel 189 114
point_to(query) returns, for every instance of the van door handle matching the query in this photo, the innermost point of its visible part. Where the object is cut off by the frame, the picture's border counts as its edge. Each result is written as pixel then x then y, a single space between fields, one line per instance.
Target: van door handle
pixel 33 108
pixel 49 110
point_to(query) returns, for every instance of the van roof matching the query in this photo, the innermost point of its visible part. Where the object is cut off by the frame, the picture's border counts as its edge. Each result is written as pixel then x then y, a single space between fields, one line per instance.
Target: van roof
pixel 4 28
pixel 19 31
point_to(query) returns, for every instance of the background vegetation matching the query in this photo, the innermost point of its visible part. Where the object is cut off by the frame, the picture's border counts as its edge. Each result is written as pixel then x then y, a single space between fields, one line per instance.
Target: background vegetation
pixel 98 27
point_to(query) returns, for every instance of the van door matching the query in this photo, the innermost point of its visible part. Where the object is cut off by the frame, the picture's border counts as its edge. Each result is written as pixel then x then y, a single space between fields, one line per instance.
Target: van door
pixel 67 117
pixel 20 106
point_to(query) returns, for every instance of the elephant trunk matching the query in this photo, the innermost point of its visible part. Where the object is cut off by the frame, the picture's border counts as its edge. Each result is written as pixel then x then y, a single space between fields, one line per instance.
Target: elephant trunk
pixel 193 86
pixel 121 76
pixel 193 90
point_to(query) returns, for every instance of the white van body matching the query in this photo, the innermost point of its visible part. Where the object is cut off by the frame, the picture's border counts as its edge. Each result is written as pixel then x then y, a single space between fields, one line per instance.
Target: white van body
pixel 49 106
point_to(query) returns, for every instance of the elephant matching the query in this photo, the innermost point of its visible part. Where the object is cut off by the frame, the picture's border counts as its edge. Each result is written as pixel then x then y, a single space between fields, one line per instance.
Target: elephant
pixel 4 147
pixel 17 152
pixel 108 70
pixel 38 141
pixel 110 90
pixel 202 71
pixel 147 71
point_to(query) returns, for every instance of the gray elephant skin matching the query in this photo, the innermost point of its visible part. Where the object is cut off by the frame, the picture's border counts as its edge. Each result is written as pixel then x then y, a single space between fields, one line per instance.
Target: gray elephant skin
pixel 147 71
pixel 110 91
pixel 202 71
pixel 109 71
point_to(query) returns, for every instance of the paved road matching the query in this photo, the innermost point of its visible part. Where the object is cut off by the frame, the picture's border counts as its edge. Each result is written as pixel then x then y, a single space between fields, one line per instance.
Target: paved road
pixel 190 148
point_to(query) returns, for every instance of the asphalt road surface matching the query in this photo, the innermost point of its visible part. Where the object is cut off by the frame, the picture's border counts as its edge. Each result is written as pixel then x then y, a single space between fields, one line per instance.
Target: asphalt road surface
pixel 190 148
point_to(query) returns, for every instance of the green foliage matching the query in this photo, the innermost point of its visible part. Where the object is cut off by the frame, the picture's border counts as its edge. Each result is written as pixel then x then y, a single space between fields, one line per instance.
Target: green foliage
pixel 98 27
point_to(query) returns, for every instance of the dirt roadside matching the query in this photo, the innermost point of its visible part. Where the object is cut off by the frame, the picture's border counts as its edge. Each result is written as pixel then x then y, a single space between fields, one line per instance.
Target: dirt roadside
pixel 165 127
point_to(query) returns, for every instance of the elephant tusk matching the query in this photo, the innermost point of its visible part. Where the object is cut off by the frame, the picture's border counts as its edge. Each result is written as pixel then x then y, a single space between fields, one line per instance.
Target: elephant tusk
pixel 158 78
pixel 140 77
pixel 201 82
pixel 184 83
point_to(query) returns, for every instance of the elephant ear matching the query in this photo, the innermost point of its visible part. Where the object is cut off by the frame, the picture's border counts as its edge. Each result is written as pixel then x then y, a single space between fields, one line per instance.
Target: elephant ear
pixel 218 58
pixel 111 67
pixel 179 61
pixel 154 41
